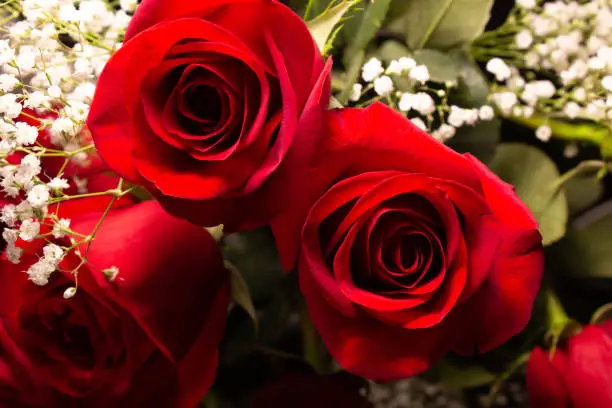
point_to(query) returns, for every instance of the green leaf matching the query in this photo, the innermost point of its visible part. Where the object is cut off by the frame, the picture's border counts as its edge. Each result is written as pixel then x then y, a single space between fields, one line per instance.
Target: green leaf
pixel 254 254
pixel 334 103
pixel 322 26
pixel 534 176
pixel 444 24
pixel 472 91
pixel 240 292
pixel 392 50
pixel 314 7
pixel 585 250
pixel 603 314
pixel 582 193
pixel 459 377
pixel 371 21
pixel 442 67
pixel 351 77
pixel 480 140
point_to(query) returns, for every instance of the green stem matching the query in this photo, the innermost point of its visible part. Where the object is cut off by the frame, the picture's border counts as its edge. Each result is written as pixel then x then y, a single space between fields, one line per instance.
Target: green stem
pixel 557 318
pixel 310 340
pixel 590 133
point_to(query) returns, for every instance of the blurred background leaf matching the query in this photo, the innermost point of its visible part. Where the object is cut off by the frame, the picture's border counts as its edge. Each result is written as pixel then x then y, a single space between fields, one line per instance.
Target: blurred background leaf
pixel 534 174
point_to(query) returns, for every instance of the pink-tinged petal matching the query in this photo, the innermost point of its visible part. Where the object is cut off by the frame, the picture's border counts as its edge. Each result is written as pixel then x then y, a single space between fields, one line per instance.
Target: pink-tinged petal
pixel 367 347
pixel 589 369
pixel 165 264
pixel 545 385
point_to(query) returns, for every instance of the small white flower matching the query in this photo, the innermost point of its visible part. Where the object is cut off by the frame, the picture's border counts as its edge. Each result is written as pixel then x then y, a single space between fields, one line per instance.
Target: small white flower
pixel 70 292
pixel 38 196
pixel 444 132
pixel 580 94
pixel 423 103
pixel 24 211
pixel 53 254
pixel 356 92
pixel 572 110
pixel 606 82
pixel 420 73
pixel 406 102
pixel 505 101
pixel 29 230
pixel 596 63
pixel 596 109
pixel 54 91
pixel 84 92
pixel 25 134
pixel 40 272
pixel 10 235
pixel 418 122
pixel 372 70
pixel 394 68
pixel 26 58
pixel 456 117
pixel 13 254
pixel 486 113
pixel 406 63
pixel 60 228
pixel 35 100
pixel 524 39
pixel 61 127
pixel 111 273
pixel 571 150
pixel 9 215
pixel 526 4
pixel 9 105
pixel 383 85
pixel 498 67
pixel 544 133
pixel 8 82
pixel 58 183
pixel 128 5
pixel 545 89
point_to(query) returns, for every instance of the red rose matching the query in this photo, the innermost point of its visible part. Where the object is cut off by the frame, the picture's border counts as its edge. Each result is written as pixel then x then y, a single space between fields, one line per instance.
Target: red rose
pixel 579 375
pixel 310 391
pixel 203 102
pixel 146 339
pixel 411 249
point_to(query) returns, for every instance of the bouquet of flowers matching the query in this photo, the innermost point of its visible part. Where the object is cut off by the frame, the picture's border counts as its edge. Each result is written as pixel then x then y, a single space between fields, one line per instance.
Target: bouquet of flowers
pixel 265 203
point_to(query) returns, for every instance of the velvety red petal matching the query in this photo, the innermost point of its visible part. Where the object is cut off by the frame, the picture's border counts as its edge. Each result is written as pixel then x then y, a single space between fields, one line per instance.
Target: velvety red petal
pixel 367 347
pixel 165 266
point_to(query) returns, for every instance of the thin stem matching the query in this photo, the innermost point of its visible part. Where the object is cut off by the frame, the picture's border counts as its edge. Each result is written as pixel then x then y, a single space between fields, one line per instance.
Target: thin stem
pixel 310 340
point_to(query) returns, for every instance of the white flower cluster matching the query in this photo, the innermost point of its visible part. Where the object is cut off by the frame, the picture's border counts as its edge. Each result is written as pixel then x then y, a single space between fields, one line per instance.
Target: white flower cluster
pixel 426 107
pixel 569 43
pixel 51 53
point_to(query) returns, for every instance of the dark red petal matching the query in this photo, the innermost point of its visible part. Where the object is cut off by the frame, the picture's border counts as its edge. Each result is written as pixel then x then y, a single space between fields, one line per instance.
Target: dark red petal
pixel 368 140
pixel 119 85
pixel 165 266
pixel 366 347
pixel 502 306
pixel 545 385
